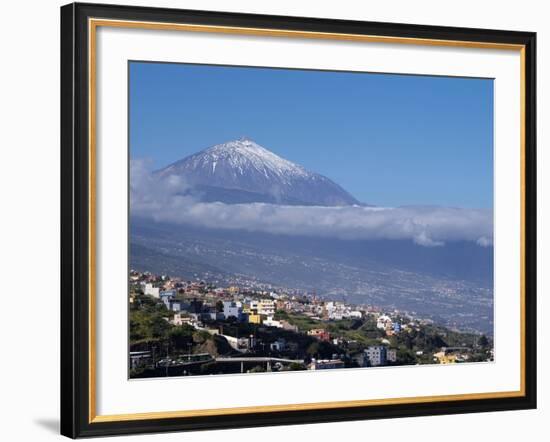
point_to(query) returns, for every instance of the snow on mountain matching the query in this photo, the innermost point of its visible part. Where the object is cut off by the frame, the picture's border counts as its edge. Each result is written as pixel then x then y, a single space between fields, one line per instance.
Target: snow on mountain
pixel 243 171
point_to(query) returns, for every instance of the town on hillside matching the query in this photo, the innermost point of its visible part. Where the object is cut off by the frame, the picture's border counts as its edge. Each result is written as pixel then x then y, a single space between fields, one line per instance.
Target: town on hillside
pixel 181 328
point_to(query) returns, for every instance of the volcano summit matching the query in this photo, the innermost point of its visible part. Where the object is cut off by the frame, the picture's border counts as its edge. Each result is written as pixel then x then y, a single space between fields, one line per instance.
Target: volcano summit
pixel 242 171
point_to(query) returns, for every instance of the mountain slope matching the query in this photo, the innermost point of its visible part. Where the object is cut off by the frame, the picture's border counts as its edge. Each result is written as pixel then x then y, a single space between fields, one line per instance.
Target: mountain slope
pixel 388 274
pixel 243 171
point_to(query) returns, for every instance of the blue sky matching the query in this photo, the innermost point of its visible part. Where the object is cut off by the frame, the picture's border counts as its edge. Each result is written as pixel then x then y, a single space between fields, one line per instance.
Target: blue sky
pixel 390 140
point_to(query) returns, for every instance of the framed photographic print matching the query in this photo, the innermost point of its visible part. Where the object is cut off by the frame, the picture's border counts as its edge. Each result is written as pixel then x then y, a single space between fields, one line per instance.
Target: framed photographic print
pixel 274 220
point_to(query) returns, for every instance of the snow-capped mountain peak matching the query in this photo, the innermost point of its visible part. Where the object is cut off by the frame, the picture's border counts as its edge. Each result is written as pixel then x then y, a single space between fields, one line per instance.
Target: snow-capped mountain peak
pixel 244 153
pixel 245 169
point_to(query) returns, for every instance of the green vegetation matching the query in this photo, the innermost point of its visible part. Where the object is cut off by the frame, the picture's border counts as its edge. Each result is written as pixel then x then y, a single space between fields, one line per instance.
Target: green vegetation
pixel 304 323
pixel 148 320
pixel 150 330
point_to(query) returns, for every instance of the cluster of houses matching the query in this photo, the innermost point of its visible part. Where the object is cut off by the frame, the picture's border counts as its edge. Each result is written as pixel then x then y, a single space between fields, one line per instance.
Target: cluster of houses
pixel 452 355
pixel 197 304
pixel 372 356
pixel 391 327
pixel 258 308
pixel 319 309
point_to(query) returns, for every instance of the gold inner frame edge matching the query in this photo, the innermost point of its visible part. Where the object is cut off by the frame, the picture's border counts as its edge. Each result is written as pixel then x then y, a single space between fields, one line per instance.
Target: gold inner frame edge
pixel 93 24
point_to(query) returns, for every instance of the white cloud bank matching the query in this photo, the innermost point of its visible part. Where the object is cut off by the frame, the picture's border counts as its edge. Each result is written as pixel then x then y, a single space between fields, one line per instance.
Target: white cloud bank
pixel 162 200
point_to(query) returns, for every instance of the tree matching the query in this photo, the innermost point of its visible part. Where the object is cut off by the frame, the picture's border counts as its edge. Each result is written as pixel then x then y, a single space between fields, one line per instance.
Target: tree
pixel 408 340
pixel 280 314
pixel 201 336
pixel 322 349
pixel 478 357
pixel 137 331
pixel 181 337
pixel 405 357
pixel 483 342
pixel 159 327
pixel 313 349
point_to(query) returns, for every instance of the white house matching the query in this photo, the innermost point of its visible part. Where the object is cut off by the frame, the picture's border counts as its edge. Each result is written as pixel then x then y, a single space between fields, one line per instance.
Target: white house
pixel 151 291
pixel 270 322
pixel 384 322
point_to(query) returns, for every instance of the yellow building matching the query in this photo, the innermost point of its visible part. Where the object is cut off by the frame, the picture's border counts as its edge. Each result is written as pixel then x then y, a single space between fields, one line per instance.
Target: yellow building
pixel 446 358
pixel 254 318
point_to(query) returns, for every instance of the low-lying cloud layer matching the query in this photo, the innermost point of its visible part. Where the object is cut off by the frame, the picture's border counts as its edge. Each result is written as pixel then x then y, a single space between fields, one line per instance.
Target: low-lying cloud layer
pixel 164 200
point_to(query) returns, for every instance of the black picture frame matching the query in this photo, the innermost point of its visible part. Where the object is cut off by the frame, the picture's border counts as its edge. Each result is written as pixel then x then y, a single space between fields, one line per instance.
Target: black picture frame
pixel 75 221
